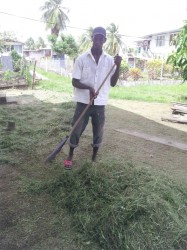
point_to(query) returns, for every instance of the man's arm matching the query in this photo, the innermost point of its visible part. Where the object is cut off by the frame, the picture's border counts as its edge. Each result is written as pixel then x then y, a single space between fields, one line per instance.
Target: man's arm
pixel 115 76
pixel 77 84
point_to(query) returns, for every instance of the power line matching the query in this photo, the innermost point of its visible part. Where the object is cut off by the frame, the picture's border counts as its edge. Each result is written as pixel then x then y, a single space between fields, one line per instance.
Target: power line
pixel 9 14
pixel 36 20
pixel 71 27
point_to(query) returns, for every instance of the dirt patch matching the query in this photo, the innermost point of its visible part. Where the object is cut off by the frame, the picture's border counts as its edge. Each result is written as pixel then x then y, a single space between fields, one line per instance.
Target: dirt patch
pixel 152 111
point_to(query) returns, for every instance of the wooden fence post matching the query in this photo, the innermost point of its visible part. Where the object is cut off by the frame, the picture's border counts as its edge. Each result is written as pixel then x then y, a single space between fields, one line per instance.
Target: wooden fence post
pixel 33 77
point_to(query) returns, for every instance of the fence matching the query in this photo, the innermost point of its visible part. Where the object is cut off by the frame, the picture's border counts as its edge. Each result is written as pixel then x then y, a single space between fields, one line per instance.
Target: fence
pixel 158 74
pixel 148 82
pixel 150 72
pixel 59 66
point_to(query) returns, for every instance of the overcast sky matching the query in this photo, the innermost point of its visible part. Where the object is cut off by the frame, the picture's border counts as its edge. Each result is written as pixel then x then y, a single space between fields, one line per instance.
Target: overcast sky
pixel 134 17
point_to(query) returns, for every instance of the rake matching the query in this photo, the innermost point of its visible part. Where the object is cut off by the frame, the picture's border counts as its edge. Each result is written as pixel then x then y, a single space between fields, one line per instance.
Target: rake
pixel 62 143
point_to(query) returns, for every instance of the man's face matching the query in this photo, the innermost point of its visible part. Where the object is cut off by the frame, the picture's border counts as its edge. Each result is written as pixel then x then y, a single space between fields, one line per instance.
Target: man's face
pixel 98 41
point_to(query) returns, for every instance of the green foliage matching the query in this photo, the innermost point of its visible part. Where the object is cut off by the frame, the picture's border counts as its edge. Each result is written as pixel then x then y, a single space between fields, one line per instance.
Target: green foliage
pixel 54 15
pixel 114 41
pixel 140 64
pixel 85 40
pixel 135 73
pixel 15 56
pixel 66 45
pixel 40 43
pixel 26 72
pixel 168 69
pixel 16 60
pixel 52 39
pixel 154 68
pixel 30 43
pixel 124 69
pixel 8 75
pixel 179 58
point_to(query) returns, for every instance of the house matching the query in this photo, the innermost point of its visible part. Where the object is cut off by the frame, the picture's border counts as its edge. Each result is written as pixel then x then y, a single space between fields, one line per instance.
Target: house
pixel 10 45
pixel 157 45
pixel 37 54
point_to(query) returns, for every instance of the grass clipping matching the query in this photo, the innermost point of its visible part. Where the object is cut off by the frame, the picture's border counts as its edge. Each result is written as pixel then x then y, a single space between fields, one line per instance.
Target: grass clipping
pixel 123 207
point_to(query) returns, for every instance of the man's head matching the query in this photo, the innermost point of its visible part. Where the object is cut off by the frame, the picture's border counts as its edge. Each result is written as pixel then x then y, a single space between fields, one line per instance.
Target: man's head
pixel 99 31
pixel 98 37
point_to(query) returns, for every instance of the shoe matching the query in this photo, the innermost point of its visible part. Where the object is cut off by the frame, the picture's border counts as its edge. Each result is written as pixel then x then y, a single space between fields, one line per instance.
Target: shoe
pixel 68 164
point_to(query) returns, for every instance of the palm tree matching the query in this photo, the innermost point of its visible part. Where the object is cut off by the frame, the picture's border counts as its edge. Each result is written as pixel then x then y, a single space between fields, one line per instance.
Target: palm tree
pixel 85 40
pixel 54 15
pixel 114 42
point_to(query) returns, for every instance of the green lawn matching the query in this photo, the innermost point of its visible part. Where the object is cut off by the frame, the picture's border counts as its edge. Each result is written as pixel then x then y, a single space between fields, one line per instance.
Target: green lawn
pixel 147 93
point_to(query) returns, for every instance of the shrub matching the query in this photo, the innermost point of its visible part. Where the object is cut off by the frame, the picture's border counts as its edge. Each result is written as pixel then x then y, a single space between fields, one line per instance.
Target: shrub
pixel 16 60
pixel 135 74
pixel 8 75
pixel 124 70
pixel 154 69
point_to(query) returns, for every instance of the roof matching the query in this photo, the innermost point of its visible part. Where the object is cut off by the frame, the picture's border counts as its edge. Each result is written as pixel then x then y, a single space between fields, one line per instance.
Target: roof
pixel 36 50
pixel 11 41
pixel 162 33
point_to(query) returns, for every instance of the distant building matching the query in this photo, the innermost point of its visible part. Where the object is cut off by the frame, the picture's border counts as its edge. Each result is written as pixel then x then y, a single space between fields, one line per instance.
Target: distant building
pixel 157 45
pixel 10 45
pixel 37 54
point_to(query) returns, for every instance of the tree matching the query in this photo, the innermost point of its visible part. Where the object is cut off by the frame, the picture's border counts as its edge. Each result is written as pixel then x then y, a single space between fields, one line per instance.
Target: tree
pixel 85 40
pixel 30 43
pixel 66 45
pixel 54 15
pixel 179 58
pixel 40 43
pixel 114 42
pixel 6 36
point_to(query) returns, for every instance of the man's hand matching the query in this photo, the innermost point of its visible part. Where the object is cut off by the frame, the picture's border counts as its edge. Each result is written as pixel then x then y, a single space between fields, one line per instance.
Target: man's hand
pixel 117 60
pixel 92 93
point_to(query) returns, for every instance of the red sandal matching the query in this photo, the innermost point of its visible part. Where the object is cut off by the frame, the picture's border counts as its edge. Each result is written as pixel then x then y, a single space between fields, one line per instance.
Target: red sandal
pixel 68 164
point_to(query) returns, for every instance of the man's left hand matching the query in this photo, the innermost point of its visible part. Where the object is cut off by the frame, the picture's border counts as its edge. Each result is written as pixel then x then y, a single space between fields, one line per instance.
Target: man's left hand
pixel 117 60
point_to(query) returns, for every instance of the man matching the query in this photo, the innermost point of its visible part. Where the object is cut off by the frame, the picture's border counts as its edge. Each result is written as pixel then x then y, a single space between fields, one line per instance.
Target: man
pixel 90 69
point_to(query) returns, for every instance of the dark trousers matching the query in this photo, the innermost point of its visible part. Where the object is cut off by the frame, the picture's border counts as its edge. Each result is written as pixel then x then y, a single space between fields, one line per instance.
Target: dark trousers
pixel 97 114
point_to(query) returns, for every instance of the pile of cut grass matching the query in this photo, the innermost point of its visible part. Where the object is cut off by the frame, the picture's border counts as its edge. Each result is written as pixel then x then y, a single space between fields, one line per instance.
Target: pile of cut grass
pixel 120 206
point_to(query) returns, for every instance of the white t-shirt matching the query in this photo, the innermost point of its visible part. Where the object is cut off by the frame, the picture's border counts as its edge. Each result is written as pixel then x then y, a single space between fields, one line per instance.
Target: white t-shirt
pixel 92 74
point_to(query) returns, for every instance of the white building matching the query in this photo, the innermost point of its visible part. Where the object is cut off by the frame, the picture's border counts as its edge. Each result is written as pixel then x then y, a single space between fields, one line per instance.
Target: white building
pixel 157 45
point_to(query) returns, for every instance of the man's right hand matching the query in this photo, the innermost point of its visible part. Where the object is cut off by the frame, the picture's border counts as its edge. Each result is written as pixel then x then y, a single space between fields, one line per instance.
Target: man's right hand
pixel 92 93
